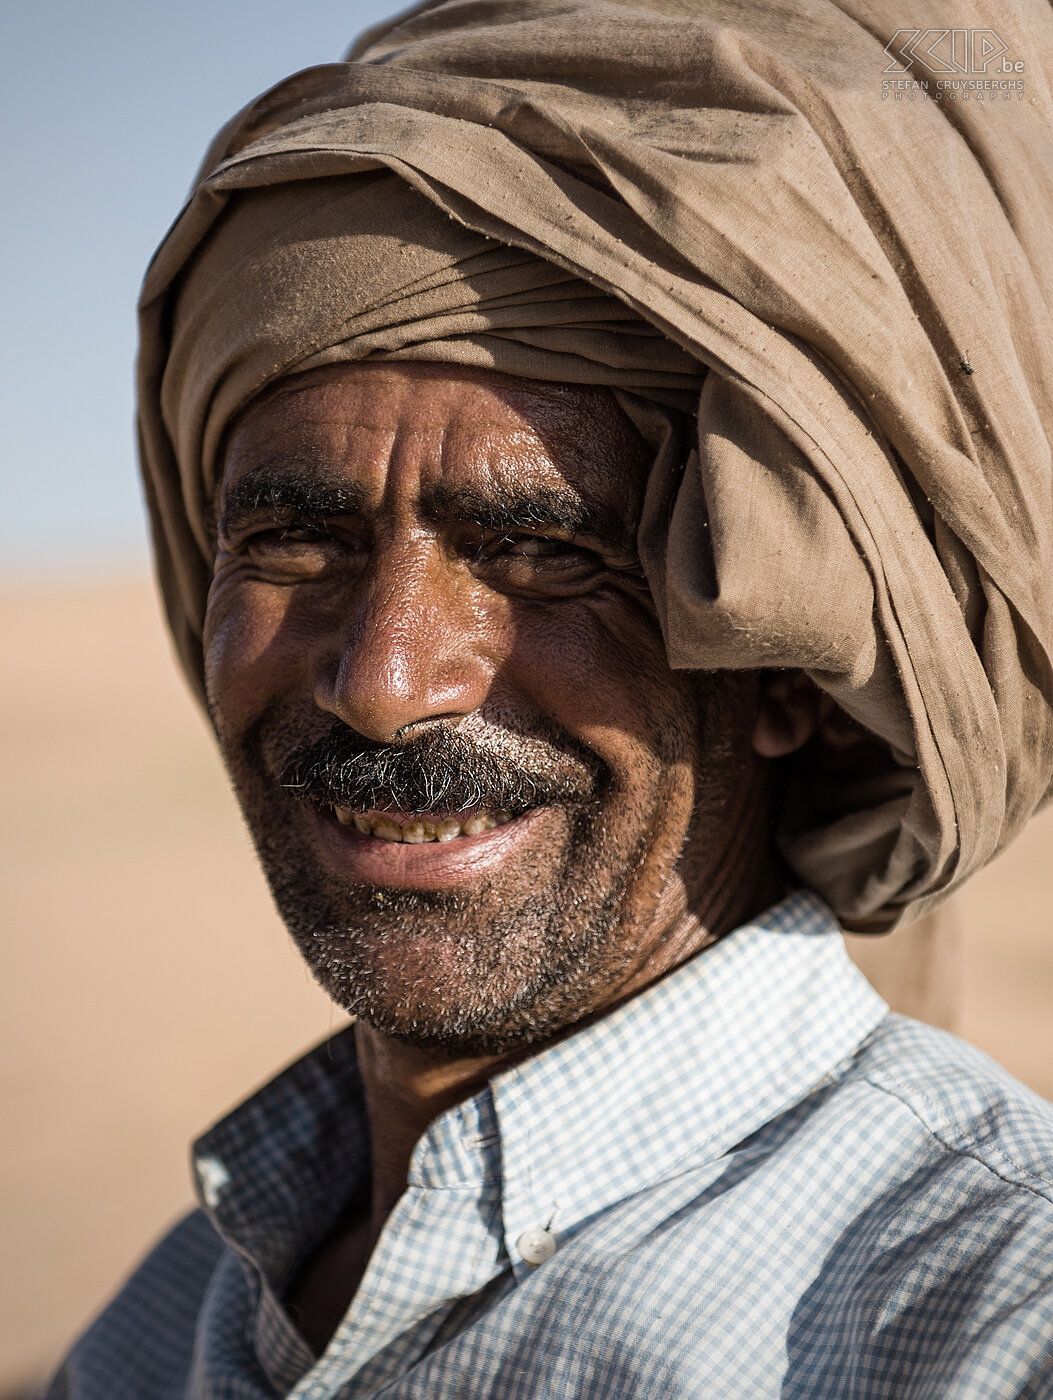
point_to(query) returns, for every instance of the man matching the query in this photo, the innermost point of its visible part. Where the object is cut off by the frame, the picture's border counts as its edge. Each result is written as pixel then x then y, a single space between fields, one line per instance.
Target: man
pixel 601 558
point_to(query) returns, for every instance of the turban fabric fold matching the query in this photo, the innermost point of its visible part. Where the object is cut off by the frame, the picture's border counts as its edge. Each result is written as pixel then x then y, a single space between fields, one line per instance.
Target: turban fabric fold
pixel 827 309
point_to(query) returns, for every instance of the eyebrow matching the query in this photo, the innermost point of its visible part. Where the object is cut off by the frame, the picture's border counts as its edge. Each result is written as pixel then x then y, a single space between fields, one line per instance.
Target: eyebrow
pixel 276 489
pixel 504 510
pixel 280 489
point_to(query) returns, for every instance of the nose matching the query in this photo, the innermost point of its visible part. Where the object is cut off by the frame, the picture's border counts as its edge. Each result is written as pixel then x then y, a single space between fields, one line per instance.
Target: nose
pixel 413 649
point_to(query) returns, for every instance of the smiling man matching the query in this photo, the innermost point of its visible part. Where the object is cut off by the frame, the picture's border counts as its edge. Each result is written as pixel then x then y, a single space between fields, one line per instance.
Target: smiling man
pixel 487 807
pixel 605 584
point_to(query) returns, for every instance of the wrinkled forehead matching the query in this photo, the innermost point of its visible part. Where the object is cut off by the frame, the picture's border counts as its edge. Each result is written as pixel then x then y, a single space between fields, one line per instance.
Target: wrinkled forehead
pixel 391 433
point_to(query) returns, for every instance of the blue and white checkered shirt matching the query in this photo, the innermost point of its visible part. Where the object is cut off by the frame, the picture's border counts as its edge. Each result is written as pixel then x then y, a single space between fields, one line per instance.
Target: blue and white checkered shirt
pixel 759 1184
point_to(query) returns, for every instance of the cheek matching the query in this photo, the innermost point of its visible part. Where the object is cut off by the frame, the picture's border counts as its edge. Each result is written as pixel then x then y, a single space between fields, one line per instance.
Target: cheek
pixel 254 648
pixel 599 670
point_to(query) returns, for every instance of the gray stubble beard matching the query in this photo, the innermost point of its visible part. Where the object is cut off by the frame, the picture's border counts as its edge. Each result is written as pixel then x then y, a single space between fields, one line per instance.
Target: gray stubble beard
pixel 521 974
pixel 498 978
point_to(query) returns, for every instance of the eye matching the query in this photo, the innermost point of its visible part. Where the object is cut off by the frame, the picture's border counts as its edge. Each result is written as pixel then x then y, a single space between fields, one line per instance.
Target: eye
pixel 533 564
pixel 534 547
pixel 303 534
pixel 290 537
pixel 526 549
pixel 302 550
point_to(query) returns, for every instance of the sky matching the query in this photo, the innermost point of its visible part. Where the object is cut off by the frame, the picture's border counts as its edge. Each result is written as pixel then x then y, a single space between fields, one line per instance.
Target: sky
pixel 107 106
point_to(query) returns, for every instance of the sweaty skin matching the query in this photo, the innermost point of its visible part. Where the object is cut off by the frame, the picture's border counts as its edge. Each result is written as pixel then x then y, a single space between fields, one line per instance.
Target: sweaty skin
pixel 426 590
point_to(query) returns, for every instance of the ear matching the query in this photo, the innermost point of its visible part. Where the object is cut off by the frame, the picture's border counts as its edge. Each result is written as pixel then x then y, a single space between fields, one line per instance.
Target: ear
pixel 791 709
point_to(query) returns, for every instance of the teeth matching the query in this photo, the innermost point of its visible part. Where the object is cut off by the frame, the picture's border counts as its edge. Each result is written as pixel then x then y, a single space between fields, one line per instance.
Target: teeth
pixel 420 830
pixel 386 829
pixel 416 833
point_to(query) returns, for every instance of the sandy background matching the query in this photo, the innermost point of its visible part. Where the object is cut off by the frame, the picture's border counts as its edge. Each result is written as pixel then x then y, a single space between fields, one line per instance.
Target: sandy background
pixel 149 985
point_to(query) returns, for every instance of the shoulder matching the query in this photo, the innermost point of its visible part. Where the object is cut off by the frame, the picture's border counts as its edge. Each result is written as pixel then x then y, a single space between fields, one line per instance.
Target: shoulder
pixel 934 1261
pixel 963 1101
pixel 140 1347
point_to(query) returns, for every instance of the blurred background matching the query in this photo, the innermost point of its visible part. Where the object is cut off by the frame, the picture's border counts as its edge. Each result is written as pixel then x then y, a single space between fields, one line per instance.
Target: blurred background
pixel 148 984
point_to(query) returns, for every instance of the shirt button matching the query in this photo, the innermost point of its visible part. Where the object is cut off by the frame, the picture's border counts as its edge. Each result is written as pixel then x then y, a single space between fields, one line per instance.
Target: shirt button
pixel 536 1245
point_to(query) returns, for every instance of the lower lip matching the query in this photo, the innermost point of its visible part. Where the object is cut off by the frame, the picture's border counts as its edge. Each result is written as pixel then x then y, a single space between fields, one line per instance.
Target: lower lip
pixel 432 865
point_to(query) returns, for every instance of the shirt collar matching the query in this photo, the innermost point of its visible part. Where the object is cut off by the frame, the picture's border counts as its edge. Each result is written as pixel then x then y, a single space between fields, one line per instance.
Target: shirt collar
pixel 277 1172
pixel 685 1070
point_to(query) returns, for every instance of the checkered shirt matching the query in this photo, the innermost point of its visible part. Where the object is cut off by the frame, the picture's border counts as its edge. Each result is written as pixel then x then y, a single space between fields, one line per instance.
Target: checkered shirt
pixel 759 1184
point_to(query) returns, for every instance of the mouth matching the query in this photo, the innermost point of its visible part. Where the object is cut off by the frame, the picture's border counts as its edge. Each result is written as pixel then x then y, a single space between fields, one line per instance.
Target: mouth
pixel 428 850
pixel 422 828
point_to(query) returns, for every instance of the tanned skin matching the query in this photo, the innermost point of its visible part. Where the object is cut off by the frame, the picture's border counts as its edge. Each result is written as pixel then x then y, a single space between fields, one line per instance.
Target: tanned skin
pixel 423 563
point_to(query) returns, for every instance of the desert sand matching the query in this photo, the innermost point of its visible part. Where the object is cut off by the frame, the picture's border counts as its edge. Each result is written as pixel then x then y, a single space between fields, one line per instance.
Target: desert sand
pixel 149 984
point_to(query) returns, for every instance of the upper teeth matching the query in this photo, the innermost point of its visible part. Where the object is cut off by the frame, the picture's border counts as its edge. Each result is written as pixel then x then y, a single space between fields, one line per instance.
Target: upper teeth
pixel 420 829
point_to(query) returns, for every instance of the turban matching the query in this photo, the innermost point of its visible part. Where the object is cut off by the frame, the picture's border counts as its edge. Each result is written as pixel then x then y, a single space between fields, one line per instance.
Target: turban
pixel 826 308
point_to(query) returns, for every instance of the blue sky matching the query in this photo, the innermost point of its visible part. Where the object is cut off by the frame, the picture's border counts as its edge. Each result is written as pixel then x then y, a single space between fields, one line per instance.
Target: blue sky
pixel 106 108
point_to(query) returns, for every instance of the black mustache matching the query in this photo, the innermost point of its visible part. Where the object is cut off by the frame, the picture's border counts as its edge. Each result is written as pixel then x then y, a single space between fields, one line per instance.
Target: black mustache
pixel 440 771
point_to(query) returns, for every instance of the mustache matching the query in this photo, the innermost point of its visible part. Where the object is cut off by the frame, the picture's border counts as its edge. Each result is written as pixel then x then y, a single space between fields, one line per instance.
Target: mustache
pixel 446 769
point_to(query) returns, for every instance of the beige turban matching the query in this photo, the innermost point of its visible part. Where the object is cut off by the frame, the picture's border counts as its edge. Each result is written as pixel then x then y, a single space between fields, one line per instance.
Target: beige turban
pixel 710 206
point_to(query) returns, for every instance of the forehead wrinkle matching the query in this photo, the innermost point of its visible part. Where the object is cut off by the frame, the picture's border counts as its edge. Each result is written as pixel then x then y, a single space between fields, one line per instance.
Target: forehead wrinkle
pixel 536 446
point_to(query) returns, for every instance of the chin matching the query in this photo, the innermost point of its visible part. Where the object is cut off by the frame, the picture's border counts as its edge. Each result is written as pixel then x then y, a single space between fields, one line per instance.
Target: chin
pixel 463 975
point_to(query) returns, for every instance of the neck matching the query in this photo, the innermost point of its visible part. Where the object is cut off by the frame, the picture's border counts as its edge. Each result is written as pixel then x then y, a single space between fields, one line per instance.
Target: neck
pixel 406 1089
pixel 716 886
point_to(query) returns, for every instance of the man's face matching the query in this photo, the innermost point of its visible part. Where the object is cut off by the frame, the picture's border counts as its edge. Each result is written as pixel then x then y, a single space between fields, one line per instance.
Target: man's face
pixel 485 804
